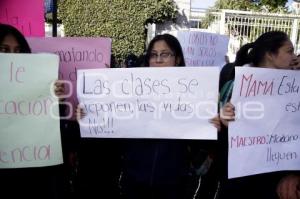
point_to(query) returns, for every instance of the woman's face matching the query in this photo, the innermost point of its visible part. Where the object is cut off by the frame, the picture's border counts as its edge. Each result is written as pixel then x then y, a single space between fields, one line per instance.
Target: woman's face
pixel 284 58
pixel 10 45
pixel 161 55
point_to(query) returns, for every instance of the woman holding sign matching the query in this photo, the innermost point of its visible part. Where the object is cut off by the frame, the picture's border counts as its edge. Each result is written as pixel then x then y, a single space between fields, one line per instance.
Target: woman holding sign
pixel 39 182
pixel 160 168
pixel 271 50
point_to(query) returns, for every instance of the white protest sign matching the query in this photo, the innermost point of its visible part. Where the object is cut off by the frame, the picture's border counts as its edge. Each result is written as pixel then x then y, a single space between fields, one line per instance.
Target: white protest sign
pixel 265 136
pixel 169 102
pixel 29 117
pixel 202 48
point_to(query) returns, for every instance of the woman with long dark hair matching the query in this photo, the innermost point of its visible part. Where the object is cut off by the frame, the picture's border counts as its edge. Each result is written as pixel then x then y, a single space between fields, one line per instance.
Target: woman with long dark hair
pixel 271 50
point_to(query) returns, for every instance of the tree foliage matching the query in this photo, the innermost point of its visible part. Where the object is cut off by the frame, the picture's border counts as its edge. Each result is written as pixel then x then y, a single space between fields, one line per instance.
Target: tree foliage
pixel 273 3
pixel 277 6
pixel 122 20
pixel 234 4
pixel 254 5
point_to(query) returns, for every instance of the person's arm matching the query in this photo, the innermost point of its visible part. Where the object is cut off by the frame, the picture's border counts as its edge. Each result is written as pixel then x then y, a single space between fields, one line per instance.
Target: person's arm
pixel 288 187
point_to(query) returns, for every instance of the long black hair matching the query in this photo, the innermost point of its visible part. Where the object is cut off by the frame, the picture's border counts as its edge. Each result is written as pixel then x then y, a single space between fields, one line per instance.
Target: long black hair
pixel 173 44
pixel 6 30
pixel 254 52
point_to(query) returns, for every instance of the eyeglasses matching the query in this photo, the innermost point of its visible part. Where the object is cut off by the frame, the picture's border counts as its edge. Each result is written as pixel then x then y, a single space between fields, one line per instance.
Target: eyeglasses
pixel 163 56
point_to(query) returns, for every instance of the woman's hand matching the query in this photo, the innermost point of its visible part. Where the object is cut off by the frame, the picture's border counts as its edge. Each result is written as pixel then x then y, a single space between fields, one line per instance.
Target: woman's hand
pixel 288 187
pixel 79 112
pixel 227 113
pixel 296 63
pixel 216 122
pixel 59 90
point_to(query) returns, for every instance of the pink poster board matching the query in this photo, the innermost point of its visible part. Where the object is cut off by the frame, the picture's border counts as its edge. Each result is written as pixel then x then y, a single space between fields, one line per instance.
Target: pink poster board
pixel 27 16
pixel 74 53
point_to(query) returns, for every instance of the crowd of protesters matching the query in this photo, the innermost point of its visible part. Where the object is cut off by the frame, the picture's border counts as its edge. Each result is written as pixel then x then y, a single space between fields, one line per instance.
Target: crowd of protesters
pixel 155 168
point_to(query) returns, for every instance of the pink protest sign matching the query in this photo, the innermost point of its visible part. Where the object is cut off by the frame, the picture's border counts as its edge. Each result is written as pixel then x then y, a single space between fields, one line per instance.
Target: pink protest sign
pixel 74 53
pixel 27 16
